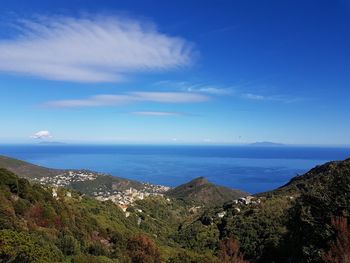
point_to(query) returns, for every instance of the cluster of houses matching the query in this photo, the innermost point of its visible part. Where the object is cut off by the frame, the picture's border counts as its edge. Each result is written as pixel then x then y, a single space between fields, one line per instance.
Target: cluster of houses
pixel 248 200
pixel 119 197
pixel 55 193
pixel 125 198
pixel 122 198
pixel 243 201
pixel 67 178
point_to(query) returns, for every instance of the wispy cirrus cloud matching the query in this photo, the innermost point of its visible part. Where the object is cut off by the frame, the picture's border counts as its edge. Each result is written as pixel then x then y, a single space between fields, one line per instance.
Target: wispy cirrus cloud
pixel 277 98
pixel 157 113
pixel 234 91
pixel 127 98
pixel 90 49
pixel 197 87
pixel 252 96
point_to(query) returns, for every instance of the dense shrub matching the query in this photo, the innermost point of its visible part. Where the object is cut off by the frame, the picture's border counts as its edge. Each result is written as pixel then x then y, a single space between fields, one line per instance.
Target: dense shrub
pixel 141 249
pixel 22 247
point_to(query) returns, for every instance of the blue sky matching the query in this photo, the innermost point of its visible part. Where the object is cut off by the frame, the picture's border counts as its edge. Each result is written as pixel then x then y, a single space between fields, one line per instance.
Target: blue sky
pixel 175 72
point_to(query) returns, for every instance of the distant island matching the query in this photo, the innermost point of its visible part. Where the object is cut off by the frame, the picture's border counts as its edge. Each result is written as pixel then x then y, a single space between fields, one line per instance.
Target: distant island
pixel 266 144
pixel 51 143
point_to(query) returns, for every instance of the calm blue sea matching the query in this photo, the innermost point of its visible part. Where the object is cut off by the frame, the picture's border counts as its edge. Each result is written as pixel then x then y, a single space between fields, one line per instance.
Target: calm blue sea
pixel 251 168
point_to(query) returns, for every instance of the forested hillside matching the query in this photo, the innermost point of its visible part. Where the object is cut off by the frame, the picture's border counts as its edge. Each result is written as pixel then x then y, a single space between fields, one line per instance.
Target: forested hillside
pixel 303 221
pixel 306 220
pixel 38 226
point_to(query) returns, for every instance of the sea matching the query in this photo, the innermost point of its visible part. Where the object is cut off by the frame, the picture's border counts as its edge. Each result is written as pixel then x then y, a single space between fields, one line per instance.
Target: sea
pixel 250 168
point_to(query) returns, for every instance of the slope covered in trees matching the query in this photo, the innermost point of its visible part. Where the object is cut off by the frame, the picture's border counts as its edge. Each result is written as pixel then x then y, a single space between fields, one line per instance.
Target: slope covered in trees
pixel 306 220
pixel 201 191
pixel 36 226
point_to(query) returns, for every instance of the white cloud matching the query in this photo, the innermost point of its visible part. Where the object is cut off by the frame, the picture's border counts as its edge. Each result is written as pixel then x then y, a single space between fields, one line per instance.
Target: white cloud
pixel 131 97
pixel 90 49
pixel 211 90
pixel 169 97
pixel 197 88
pixel 277 98
pixel 41 135
pixel 252 96
pixel 156 113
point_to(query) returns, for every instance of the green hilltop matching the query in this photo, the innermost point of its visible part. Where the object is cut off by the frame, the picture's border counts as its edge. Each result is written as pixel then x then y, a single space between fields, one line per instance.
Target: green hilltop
pixel 306 220
pixel 25 169
pixel 201 191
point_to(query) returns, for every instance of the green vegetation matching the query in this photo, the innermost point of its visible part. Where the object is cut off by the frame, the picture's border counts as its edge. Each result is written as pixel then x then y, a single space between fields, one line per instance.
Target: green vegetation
pixel 35 227
pixel 306 220
pixel 105 183
pixel 24 169
pixel 324 200
pixel 102 181
pixel 201 191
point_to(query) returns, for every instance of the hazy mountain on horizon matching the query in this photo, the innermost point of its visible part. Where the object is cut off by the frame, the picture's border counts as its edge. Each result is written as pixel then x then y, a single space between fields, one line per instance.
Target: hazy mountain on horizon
pixel 266 143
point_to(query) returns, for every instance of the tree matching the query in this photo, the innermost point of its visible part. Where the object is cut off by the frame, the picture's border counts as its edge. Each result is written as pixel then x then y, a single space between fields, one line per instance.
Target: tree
pixel 142 249
pixel 68 245
pixel 229 251
pixel 340 249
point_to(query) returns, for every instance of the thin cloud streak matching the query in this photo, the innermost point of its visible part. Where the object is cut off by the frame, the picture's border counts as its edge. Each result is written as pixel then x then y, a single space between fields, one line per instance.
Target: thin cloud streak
pixel 127 98
pixel 277 98
pixel 91 49
pixel 197 88
pixel 232 91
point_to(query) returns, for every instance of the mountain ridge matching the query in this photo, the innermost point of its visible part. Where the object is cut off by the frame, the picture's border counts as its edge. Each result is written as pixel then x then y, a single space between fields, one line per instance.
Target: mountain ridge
pixel 200 190
pixel 38 173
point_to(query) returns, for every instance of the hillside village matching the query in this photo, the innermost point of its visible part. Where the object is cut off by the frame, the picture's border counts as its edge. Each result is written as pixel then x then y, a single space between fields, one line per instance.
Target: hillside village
pixel 127 197
pixel 123 198
pixel 67 178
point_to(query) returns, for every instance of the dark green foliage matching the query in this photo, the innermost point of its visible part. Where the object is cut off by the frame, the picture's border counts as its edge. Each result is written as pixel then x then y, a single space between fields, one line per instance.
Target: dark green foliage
pixel 68 244
pixel 21 206
pixel 9 179
pixel 93 259
pixel 97 249
pixel 64 227
pixel 191 257
pixel 326 195
pixel 161 217
pixel 199 237
pixel 292 224
pixel 258 229
pixel 23 247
